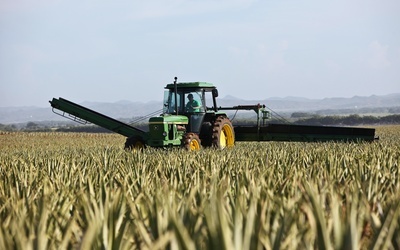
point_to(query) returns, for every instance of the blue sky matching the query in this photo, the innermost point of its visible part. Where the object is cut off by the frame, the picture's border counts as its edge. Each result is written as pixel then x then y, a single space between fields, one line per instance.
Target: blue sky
pixel 108 51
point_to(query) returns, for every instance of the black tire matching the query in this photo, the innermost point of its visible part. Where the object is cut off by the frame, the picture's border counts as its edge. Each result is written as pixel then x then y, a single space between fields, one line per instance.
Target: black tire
pixel 206 134
pixel 191 142
pixel 134 143
pixel 223 133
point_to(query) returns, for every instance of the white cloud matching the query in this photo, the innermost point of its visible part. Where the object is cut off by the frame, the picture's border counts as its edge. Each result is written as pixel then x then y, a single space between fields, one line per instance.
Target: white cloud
pixel 275 62
pixel 270 58
pixel 378 56
pixel 274 59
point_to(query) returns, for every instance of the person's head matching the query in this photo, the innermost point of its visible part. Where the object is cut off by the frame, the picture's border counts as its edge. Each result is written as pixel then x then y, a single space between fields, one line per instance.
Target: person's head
pixel 190 96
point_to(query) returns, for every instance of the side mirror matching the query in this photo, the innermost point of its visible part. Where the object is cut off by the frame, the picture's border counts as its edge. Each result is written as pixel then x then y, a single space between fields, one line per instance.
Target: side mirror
pixel 215 93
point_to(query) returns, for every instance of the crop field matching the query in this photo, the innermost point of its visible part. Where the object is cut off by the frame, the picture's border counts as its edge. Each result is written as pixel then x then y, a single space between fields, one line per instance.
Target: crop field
pixel 84 191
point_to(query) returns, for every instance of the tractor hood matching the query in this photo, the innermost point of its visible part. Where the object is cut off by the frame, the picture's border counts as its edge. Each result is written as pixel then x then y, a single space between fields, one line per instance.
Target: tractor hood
pixel 169 119
pixel 167 130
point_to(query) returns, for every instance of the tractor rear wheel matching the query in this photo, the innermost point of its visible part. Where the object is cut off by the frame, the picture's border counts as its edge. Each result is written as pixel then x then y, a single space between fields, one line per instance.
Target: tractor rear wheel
pixel 191 142
pixel 223 133
pixel 135 143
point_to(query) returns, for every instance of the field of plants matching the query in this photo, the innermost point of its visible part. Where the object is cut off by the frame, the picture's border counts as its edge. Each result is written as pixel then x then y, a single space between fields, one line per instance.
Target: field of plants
pixel 83 191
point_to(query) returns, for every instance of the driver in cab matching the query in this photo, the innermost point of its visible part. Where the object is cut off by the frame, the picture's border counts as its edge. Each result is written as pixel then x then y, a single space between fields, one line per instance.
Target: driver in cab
pixel 192 105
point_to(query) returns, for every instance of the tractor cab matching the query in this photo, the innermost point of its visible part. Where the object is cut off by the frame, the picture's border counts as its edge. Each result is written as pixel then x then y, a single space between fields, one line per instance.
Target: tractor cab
pixel 189 100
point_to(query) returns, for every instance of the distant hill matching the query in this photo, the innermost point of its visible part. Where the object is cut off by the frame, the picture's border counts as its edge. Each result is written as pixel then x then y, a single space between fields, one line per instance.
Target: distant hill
pixel 127 110
pixel 304 104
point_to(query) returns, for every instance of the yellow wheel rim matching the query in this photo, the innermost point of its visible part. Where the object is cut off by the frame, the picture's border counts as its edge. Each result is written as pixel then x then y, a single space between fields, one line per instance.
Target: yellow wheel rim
pixel 227 137
pixel 222 139
pixel 194 145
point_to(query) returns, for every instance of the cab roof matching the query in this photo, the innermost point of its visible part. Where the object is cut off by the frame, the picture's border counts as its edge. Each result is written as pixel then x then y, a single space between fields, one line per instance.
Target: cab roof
pixel 183 85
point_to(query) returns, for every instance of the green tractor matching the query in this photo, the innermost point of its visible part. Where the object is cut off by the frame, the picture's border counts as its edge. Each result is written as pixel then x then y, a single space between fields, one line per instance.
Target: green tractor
pixel 191 119
pixel 187 121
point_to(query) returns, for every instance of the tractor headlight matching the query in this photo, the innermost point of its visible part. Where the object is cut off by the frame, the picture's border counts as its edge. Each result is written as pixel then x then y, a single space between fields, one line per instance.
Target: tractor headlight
pixel 164 133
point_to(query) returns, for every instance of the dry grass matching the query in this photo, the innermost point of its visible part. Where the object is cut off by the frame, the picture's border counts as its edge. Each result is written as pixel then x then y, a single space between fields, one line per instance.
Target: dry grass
pixel 79 191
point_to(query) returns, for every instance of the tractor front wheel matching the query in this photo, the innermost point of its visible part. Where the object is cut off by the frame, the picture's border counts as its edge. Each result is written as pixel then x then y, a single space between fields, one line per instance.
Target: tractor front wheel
pixel 191 142
pixel 223 133
pixel 135 143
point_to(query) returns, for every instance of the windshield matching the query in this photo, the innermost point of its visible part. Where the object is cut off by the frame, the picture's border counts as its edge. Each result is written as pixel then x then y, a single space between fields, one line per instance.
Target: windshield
pixel 187 102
